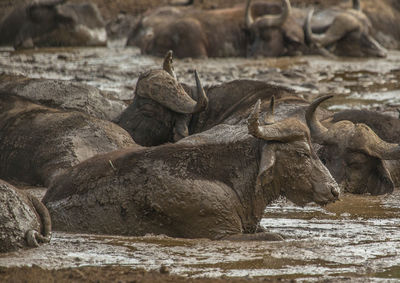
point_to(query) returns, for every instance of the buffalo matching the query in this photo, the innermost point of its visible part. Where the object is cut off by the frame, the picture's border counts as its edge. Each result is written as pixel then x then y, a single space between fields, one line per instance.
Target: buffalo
pixel 165 111
pixel 385 126
pixel 38 142
pixel 344 32
pixel 359 160
pixel 227 32
pixel 64 94
pixel 53 23
pixel 24 220
pixel 217 188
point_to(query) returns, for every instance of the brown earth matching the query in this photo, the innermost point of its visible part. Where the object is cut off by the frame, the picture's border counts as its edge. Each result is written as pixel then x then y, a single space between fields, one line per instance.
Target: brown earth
pixel 108 274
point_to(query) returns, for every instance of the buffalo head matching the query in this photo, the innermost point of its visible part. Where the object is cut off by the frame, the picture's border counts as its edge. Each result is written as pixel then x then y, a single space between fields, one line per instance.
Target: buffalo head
pixel 354 154
pixel 291 165
pixel 350 34
pixel 271 35
pixel 161 107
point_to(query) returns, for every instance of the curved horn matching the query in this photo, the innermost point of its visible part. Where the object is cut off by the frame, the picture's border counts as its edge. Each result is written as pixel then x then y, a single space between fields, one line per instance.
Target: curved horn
pixel 356 5
pixel 161 87
pixel 202 99
pixel 381 149
pixel 284 131
pixel 248 18
pixel 269 118
pixel 276 20
pixel 316 128
pixel 309 37
pixel 168 64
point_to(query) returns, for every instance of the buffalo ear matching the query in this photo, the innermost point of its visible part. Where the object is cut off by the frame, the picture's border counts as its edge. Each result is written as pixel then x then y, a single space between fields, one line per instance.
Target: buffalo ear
pixel 267 163
pixel 181 127
pixel 380 181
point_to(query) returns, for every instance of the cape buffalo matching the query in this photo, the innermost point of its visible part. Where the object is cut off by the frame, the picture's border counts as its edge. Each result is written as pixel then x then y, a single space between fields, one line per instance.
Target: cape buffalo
pixel 348 34
pixel 53 23
pixel 38 142
pixel 163 110
pixel 354 154
pixel 24 220
pixel 64 94
pixel 386 127
pixel 216 189
pixel 218 33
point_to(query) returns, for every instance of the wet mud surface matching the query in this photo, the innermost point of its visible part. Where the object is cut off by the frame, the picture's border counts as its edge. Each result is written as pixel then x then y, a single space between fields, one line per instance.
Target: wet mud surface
pixel 356 82
pixel 353 239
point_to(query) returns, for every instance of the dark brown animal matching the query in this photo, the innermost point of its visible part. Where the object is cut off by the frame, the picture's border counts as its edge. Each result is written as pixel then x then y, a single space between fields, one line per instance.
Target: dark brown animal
pixel 218 33
pixel 53 23
pixel 38 142
pixel 348 34
pixel 354 154
pixel 25 221
pixel 217 188
pixel 386 127
pixel 161 109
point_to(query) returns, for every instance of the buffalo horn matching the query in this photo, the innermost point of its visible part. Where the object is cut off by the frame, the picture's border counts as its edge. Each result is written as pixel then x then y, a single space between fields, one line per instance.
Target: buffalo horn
pixel 249 18
pixel 317 130
pixel 269 20
pixel 159 86
pixel 276 20
pixel 283 131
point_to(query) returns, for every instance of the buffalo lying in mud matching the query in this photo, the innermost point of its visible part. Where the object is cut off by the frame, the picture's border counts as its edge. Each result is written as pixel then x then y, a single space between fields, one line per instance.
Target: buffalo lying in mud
pixel 53 23
pixel 386 127
pixel 37 142
pixel 216 189
pixel 218 33
pixel 348 33
pixel 359 160
pixel 64 94
pixel 164 111
pixel 24 220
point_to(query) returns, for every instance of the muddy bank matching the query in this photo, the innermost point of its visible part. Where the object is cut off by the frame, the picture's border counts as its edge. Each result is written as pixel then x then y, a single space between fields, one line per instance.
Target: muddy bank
pixel 356 82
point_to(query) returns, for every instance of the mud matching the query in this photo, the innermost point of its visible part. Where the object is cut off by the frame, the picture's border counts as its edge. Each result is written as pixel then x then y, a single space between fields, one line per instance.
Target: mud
pixel 357 83
pixel 356 239
pixel 353 239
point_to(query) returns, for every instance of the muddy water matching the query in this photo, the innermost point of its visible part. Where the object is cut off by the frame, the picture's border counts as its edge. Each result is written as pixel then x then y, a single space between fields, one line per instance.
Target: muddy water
pixel 357 237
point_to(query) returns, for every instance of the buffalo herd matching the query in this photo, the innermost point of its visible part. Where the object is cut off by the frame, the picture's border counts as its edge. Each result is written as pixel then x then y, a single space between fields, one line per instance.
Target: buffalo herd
pixel 183 160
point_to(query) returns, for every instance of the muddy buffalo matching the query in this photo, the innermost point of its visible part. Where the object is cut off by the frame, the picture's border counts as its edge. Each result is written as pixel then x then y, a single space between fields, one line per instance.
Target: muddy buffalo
pixel 165 111
pixel 218 33
pixel 53 23
pixel 25 221
pixel 38 142
pixel 344 32
pixel 356 156
pixel 216 189
pixel 64 94
pixel 386 127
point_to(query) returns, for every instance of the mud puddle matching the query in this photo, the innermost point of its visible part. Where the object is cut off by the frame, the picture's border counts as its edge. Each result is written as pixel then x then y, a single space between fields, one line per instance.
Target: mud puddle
pixel 357 83
pixel 357 237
